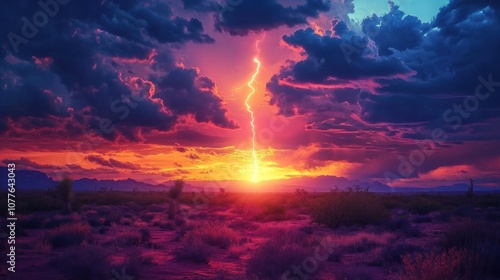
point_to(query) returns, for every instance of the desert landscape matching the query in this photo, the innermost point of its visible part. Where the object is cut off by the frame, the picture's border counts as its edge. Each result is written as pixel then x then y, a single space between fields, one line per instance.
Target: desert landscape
pixel 344 234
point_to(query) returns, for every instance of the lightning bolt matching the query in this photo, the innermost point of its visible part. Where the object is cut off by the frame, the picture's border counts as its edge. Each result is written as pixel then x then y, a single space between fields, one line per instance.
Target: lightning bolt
pixel 249 109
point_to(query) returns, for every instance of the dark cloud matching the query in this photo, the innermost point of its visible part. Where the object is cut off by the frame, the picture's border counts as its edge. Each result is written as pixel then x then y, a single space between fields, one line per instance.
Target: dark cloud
pixel 111 162
pixel 187 93
pixel 77 68
pixel 193 156
pixel 349 96
pixel 389 88
pixel 329 61
pixel 261 15
pixel 447 64
pixel 394 30
pixel 291 100
pixel 26 163
pixel 199 5
pixel 331 57
pixel 179 148
pixel 189 138
pixel 23 162
pixel 409 73
pixel 457 12
pixel 348 155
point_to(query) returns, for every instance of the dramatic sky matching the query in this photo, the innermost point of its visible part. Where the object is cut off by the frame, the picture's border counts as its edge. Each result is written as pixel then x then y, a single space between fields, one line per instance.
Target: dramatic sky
pixel 401 92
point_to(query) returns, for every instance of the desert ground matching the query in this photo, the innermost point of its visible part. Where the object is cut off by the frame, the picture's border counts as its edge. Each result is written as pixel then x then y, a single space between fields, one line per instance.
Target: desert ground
pixel 343 235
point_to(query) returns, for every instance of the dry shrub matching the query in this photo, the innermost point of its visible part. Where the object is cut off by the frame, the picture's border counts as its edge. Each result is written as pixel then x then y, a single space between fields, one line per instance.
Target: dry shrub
pixel 284 250
pixel 68 235
pixel 445 265
pixel 271 211
pixel 213 234
pixel 347 208
pixel 363 241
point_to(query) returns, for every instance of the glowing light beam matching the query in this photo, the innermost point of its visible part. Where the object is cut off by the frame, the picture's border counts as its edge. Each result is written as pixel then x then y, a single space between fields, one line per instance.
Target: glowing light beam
pixel 252 122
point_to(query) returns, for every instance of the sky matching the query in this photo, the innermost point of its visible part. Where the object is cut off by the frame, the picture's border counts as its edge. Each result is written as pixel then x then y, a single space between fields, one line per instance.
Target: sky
pixel 401 92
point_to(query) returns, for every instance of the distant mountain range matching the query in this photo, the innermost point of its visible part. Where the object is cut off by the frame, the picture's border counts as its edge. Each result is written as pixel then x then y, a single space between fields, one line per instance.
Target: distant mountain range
pixel 326 183
pixel 36 180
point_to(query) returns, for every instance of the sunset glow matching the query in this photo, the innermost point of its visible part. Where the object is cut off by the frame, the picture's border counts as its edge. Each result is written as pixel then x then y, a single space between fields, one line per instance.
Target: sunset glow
pixel 310 89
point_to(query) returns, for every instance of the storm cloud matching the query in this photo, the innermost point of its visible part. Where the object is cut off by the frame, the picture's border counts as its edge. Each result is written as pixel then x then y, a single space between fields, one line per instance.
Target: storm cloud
pixel 262 15
pixel 81 67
